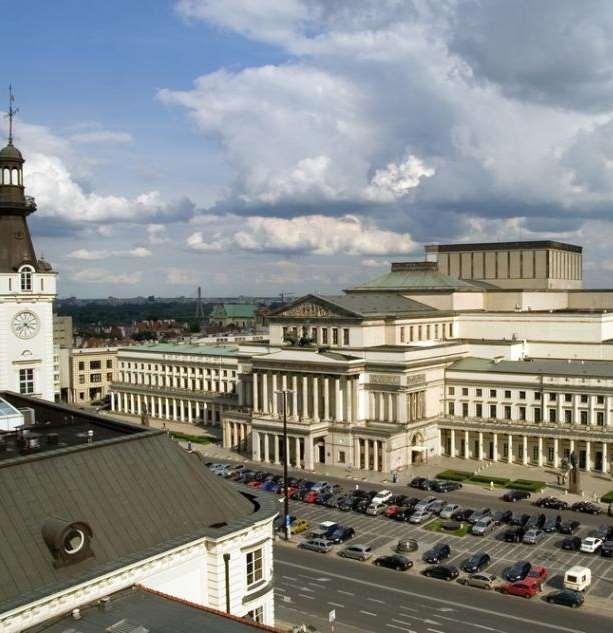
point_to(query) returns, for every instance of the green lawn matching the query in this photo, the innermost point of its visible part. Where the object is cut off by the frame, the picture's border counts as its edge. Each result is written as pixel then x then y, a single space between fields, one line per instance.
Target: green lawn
pixel 435 526
pixel 608 498
pixel 455 475
pixel 529 485
pixel 194 439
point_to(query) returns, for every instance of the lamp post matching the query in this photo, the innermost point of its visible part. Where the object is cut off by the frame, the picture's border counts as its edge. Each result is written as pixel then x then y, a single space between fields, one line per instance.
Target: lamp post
pixel 284 393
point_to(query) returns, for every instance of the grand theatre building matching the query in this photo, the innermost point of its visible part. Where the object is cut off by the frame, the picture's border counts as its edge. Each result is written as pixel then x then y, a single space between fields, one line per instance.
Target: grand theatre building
pixel 481 351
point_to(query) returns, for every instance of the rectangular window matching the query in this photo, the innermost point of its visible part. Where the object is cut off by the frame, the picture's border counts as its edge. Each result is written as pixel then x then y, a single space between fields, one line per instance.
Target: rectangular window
pixel 479 393
pixel 410 334
pixel 492 410
pixel 81 379
pixel 522 413
pixel 522 395
pixel 537 395
pixel 95 377
pixel 535 453
pixel 507 413
pixel 419 332
pixel 436 331
pixel 600 399
pixel 600 418
pixel 479 410
pixel 256 615
pixel 465 409
pixel 550 454
pixel 427 332
pixel 334 336
pixel 507 394
pixel 26 381
pixel 583 397
pixel 552 415
pixel 568 416
pixel 492 393
pixel 324 335
pixel 552 397
pixel 450 330
pixel 346 336
pixel 109 376
pixel 81 365
pixel 568 397
pixel 583 417
pixel 537 414
pixel 402 335
pixel 451 391
pixel 451 408
pixel 284 332
pixel 314 334
pixel 255 568
pixel 464 391
pixel 341 457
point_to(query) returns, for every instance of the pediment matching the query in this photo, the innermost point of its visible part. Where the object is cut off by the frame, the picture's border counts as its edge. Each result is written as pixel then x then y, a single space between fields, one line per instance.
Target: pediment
pixel 313 308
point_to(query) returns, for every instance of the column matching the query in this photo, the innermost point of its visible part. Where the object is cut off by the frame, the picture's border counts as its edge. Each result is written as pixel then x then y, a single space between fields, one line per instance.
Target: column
pixel 277 458
pixel 495 450
pixel 265 403
pixel 305 396
pixel 349 398
pixel 308 453
pixel 556 461
pixel 480 456
pixel 338 400
pixel 605 457
pixel 197 404
pixel 275 396
pixel 132 407
pixel 588 457
pixel 240 388
pixel 182 410
pixel 255 445
pixel 326 398
pixel 288 452
pixel 295 397
pixel 510 449
pixel 315 399
pixel 297 449
pixel 366 454
pixel 381 414
pixel 452 443
pixel 375 448
pixel 524 455
pixel 139 404
pixel 390 407
pixel 112 401
pixel 256 403
pixel 266 447
pixel 167 411
pixel 540 452
pixel 590 413
pixel 227 442
pixel 205 412
pixel 607 410
pixel 466 446
pixel 189 412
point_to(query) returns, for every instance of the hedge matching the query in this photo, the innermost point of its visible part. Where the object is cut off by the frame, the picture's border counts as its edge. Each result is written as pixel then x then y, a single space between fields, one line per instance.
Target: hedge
pixel 527 484
pixel 608 498
pixel 194 439
pixel 454 475
pixel 485 479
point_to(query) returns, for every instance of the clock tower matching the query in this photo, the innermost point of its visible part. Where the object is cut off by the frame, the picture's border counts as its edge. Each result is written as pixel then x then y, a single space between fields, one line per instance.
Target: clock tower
pixel 27 286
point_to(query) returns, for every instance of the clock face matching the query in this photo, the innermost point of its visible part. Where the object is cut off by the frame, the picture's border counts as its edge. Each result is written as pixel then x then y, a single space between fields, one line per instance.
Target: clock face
pixel 25 324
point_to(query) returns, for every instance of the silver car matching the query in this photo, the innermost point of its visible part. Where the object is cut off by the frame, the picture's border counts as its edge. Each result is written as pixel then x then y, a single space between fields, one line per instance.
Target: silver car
pixel 481 580
pixel 419 516
pixel 376 508
pixel 424 503
pixel 533 536
pixel 483 526
pixel 449 510
pixel 317 545
pixel 436 506
pixel 357 552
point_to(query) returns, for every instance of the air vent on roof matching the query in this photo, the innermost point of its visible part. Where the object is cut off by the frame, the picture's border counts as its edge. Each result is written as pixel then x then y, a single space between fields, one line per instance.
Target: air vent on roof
pixel 126 626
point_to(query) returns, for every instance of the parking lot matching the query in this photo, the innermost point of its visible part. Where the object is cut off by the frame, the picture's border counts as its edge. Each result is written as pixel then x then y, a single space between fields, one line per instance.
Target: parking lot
pixel 382 534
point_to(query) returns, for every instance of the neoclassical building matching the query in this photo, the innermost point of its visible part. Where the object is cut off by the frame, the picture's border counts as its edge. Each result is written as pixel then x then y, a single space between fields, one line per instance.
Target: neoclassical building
pixel 482 351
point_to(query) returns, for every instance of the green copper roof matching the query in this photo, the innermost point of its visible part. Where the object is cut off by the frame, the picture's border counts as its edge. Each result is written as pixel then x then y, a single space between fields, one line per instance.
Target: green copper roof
pixel 178 348
pixel 538 366
pixel 234 310
pixel 403 280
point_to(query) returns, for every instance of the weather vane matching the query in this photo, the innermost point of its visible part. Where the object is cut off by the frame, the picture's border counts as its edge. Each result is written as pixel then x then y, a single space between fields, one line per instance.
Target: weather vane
pixel 11 113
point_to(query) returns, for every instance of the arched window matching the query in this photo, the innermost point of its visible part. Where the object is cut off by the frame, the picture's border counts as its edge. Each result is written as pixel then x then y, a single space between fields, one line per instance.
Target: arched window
pixel 25 276
pixel 6 178
pixel 15 177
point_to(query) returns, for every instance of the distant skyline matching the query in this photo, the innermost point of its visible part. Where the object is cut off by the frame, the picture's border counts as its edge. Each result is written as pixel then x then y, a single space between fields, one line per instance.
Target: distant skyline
pixel 256 146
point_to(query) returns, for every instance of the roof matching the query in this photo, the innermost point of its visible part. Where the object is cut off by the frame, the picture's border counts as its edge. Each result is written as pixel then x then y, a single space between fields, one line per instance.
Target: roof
pixel 306 355
pixel 376 304
pixel 538 366
pixel 155 612
pixel 10 152
pixel 140 493
pixel 234 310
pixel 181 348
pixel 414 280
pixel 498 246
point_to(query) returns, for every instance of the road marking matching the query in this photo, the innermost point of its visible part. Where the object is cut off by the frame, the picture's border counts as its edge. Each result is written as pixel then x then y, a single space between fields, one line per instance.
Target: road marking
pixel 375 600
pixel 400 628
pixel 345 593
pixel 288 578
pixel 428 598
pixel 303 595
pixel 414 610
pixel 435 631
pixel 374 615
pixel 336 604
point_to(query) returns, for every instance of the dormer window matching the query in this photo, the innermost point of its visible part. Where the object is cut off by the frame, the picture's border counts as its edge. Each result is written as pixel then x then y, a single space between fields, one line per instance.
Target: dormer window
pixel 25 278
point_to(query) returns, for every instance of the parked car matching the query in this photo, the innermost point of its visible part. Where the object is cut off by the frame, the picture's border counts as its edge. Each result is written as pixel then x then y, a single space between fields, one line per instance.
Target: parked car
pixel 357 552
pixel 590 544
pixel 320 485
pixel 323 529
pixel 442 572
pixel 517 571
pixel 299 526
pixel 515 495
pixel 538 573
pixel 587 507
pixel 437 553
pixel 552 523
pixel 345 504
pixel 551 502
pixel 425 502
pixel 420 482
pixel 375 509
pixel 479 514
pixel 569 527
pixel 316 545
pixel 607 549
pixel 476 562
pixel 448 511
pixel 395 561
pixel 406 545
pixel 462 515
pixel 483 526
pixel 577 578
pixel 533 536
pixel 566 597
pixel 571 543
pixel 382 496
pixel 502 516
pixel 443 485
pixel 391 510
pixel 522 588
pixel 513 535
pixel 535 521
pixel 436 506
pixel 420 516
pixel 483 581
pixel 403 514
pixel 603 532
pixel 519 518
pixel 340 534
pixel 310 497
pixel 332 501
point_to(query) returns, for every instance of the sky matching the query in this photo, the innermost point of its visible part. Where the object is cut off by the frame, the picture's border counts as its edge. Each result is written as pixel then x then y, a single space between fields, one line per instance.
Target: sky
pixel 256 146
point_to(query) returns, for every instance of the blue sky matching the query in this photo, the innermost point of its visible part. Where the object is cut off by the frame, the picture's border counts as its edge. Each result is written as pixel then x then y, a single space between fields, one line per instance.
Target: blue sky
pixel 253 146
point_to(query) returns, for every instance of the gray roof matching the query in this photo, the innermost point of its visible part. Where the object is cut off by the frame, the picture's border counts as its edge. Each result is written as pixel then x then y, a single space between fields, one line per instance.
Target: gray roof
pixel 499 246
pixel 184 348
pixel 538 366
pixel 414 280
pixel 140 494
pixel 376 304
pixel 156 613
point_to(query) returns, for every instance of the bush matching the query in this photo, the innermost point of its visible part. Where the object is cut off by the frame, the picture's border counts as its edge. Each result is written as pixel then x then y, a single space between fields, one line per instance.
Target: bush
pixel 194 439
pixel 485 479
pixel 608 498
pixel 528 485
pixel 454 475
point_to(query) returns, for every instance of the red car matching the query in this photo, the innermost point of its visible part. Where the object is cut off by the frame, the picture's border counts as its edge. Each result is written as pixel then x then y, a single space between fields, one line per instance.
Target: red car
pixel 391 511
pixel 537 573
pixel 527 588
pixel 255 484
pixel 311 497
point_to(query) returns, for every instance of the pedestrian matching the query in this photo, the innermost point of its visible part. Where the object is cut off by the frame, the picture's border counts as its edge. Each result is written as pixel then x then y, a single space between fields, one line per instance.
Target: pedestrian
pixel 357 486
pixel 189 447
pixel 491 485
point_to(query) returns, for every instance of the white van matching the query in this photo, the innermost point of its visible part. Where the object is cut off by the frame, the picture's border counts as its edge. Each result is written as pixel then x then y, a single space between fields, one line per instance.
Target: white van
pixel 578 578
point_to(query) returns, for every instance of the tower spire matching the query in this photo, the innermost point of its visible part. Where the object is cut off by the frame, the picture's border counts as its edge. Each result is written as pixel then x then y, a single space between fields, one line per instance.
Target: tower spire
pixel 11 113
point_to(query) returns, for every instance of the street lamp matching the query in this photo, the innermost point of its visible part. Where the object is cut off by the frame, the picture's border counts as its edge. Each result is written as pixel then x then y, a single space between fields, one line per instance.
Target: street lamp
pixel 284 393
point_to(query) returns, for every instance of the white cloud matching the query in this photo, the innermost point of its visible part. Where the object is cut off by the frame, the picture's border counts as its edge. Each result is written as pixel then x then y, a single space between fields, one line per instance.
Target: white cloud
pixel 182 277
pixel 375 263
pixel 157 234
pixel 100 137
pixel 92 255
pixel 397 180
pixel 103 276
pixel 314 234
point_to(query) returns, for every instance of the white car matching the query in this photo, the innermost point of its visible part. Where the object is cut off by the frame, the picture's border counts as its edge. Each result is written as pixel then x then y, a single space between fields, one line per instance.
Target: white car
pixel 376 508
pixel 449 510
pixel 319 486
pixel 419 516
pixel 591 544
pixel 382 496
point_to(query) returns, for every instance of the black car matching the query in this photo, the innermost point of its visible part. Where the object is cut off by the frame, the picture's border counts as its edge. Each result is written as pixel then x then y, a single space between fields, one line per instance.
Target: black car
pixel 442 572
pixel 571 543
pixel 587 507
pixel 551 502
pixel 420 482
pixel 515 495
pixel 438 553
pixel 566 597
pixel 361 505
pixel 442 485
pixel 345 504
pixel 463 514
pixel 603 532
pixel 479 514
pixel 536 521
pixel 323 498
pixel 519 518
pixel 395 561
pixel 606 549
pixel 517 571
pixel 552 523
pixel 569 527
pixel 403 514
pixel 514 534
pixel 502 516
pixel 476 562
pixel 340 534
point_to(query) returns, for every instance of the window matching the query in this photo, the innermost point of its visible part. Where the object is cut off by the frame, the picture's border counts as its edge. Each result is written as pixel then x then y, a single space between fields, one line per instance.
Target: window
pixel 257 615
pixel 583 397
pixel 600 418
pixel 346 336
pixel 284 333
pixel 522 413
pixel 334 336
pixel 507 413
pixel 402 335
pixel 600 399
pixel 419 332
pixel 451 408
pixel 436 331
pixel 535 453
pixel 427 332
pixel 550 454
pixel 95 377
pixel 81 379
pixel 324 335
pixel 255 571
pixel 464 391
pixel 26 381
pixel 95 364
pixel 25 278
pixel 81 395
pixel 552 397
pixel 492 393
pixel 479 410
pixel 568 416
pixel 465 409
pixel 583 417
pixel 450 330
pixel 410 334
pixel 568 397
pixel 522 395
pixel 537 414
pixel 109 364
pixel 81 365
pixel 492 410
pixel 537 395
pixel 479 393
pixel 552 415
pixel 109 376
pixel 451 391
pixel 341 457
pixel 507 394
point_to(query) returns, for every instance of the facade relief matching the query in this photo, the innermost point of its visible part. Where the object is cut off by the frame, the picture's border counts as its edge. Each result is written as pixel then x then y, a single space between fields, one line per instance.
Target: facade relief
pixel 308 309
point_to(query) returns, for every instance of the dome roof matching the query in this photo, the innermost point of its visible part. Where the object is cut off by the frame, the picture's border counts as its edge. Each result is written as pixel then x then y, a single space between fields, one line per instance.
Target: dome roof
pixel 10 152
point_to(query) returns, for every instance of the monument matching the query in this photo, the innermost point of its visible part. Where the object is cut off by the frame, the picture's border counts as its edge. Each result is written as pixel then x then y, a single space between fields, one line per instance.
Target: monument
pixel 574 481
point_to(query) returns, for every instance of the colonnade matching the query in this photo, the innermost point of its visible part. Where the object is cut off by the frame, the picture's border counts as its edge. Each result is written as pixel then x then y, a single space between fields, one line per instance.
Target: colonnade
pixel 268 447
pixel 387 406
pixel 370 454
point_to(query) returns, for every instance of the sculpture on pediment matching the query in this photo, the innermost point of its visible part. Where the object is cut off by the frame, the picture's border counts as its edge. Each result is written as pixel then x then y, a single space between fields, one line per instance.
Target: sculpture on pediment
pixel 307 309
pixel 298 340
